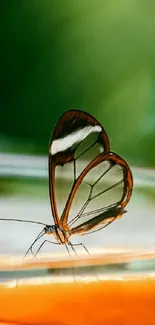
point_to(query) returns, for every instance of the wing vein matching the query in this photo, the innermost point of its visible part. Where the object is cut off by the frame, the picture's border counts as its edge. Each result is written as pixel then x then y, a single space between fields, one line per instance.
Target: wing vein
pixel 107 189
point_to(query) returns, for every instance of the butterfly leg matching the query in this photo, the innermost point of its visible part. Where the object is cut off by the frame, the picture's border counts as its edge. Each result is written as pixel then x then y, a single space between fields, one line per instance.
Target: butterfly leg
pixel 36 239
pixel 80 244
pixel 70 244
pixel 68 250
pixel 72 247
pixel 42 244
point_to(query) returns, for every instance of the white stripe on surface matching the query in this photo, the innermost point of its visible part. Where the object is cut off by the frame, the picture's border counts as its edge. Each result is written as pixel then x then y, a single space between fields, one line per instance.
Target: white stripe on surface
pixel 65 143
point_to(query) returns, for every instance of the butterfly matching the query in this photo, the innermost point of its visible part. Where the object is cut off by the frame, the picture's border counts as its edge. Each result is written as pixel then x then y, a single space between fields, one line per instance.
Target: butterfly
pixel 89 185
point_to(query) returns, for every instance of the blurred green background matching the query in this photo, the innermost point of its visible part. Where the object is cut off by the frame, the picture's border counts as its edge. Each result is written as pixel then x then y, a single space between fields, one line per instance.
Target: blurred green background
pixel 94 55
pixel 56 55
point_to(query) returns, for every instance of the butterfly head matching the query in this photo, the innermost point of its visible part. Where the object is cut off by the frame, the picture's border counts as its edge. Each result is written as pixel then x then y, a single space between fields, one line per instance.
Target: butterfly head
pixel 50 229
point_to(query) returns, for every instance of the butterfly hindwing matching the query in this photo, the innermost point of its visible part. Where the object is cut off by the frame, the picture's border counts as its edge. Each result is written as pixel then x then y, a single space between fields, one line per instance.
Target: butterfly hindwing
pixel 109 187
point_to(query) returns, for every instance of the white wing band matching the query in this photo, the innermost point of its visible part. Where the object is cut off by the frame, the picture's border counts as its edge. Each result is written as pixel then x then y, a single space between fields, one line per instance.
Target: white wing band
pixel 65 143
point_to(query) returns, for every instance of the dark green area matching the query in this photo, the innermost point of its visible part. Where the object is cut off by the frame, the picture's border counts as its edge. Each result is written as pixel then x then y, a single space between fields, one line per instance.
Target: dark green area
pixel 31 187
pixel 93 55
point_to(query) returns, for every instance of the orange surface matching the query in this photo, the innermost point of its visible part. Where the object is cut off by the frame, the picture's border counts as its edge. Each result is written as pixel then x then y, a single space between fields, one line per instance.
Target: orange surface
pixel 114 300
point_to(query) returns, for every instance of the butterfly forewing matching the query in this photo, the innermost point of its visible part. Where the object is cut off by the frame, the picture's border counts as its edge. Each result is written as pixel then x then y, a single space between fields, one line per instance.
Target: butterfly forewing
pixel 88 150
pixel 64 176
pixel 77 139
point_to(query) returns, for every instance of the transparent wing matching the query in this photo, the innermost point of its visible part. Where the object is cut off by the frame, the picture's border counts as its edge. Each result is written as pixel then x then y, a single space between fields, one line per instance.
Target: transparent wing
pixel 102 192
pixel 78 139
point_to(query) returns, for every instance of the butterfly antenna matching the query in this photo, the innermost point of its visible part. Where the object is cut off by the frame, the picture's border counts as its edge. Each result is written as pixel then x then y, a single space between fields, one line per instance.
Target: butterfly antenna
pixel 26 221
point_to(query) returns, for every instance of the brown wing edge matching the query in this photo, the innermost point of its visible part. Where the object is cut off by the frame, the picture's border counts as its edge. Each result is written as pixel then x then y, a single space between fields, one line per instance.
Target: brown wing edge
pixel 128 186
pixel 54 160
pixel 51 170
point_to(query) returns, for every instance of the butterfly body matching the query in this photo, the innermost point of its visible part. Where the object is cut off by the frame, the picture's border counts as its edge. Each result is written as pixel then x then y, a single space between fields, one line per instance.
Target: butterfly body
pixel 61 236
